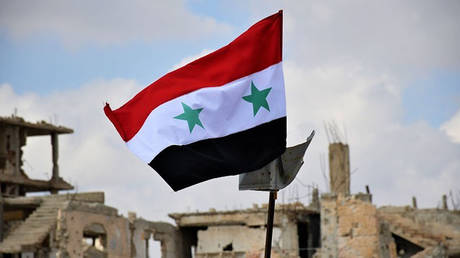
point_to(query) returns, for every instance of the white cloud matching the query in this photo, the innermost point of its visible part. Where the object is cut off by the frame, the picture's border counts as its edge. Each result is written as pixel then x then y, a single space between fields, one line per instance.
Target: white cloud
pixel 397 36
pixel 388 154
pixel 105 22
pixel 452 127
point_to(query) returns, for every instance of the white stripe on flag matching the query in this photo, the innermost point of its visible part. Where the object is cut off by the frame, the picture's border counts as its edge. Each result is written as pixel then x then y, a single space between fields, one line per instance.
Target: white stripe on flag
pixel 224 112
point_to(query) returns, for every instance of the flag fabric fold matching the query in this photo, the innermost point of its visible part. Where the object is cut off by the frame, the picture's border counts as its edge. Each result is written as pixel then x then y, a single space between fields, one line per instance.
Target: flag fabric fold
pixel 222 114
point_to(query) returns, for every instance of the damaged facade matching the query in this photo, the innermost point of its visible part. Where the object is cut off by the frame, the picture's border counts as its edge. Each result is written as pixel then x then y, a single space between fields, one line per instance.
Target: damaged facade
pixel 241 233
pixel 63 225
pixel 335 224
pixel 351 226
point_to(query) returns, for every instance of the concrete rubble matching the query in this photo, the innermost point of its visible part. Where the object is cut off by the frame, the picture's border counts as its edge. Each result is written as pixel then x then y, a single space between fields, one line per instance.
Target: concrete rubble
pixel 334 224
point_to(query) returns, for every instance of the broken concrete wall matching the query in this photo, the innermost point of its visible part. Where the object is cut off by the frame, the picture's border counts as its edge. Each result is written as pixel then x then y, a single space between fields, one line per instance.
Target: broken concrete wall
pixel 329 223
pixel 140 236
pixel 238 239
pixel 242 233
pixel 10 150
pixel 350 227
pixel 287 244
pixel 243 241
pixel 80 225
pixel 424 216
pixel 250 217
pixel 73 221
pixel 169 236
pixel 428 228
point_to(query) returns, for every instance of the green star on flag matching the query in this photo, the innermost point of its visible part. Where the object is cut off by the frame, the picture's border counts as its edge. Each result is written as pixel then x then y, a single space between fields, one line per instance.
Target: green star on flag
pixel 258 98
pixel 191 116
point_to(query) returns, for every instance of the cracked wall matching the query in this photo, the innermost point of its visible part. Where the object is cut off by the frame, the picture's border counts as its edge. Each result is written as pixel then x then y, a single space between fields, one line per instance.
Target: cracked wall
pixel 71 225
pixel 242 233
pixel 350 227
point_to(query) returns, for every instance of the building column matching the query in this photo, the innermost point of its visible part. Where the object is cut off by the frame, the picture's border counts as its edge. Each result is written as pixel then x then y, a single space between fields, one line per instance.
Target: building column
pixel 3 150
pixel 444 202
pixel 55 155
pixel 339 168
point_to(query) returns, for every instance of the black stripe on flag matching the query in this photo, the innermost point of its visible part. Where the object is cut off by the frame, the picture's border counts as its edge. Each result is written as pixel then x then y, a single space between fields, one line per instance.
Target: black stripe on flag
pixel 186 165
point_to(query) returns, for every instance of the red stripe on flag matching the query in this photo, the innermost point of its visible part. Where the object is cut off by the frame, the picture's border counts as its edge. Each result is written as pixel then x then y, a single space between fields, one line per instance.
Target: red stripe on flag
pixel 256 49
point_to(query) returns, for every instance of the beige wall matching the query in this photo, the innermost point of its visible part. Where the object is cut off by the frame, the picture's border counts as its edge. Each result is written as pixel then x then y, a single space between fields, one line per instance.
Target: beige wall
pixel 242 238
pixel 249 241
pixel 117 228
pixel 351 227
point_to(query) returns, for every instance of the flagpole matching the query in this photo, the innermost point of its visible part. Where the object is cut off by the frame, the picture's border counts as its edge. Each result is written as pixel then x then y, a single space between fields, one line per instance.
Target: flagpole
pixel 270 216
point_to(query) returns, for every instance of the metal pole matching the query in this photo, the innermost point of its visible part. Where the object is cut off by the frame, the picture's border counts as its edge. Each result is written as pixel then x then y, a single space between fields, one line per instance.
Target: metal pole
pixel 1 218
pixel 271 214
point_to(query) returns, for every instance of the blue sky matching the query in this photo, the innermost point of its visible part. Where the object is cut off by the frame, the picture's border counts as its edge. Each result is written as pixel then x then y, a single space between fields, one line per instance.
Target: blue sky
pixel 41 63
pixel 44 65
pixel 434 97
pixel 389 73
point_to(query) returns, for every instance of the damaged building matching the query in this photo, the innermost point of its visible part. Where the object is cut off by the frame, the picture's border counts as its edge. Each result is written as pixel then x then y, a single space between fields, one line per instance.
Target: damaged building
pixel 351 226
pixel 63 225
pixel 241 233
pixel 334 224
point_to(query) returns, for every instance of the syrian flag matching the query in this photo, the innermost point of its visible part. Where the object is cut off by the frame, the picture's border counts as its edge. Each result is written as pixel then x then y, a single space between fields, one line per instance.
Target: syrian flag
pixel 220 115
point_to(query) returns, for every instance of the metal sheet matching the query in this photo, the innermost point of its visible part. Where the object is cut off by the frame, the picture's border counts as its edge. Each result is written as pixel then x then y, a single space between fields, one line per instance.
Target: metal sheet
pixel 279 173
